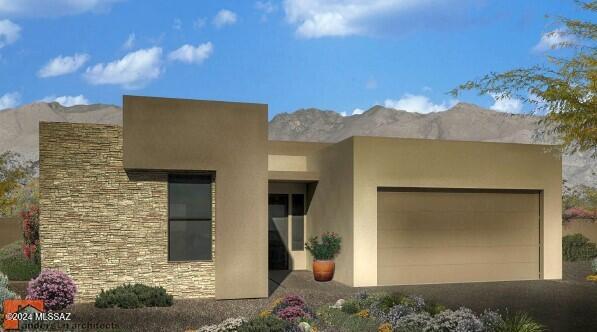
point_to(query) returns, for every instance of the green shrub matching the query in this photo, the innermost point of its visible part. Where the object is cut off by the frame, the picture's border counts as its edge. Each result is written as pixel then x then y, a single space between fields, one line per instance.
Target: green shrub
pixel 434 308
pixel 594 265
pixel 385 302
pixel 133 296
pixel 264 324
pixel 350 307
pixel 19 268
pixel 327 248
pixel 577 247
pixel 337 320
pixel 521 322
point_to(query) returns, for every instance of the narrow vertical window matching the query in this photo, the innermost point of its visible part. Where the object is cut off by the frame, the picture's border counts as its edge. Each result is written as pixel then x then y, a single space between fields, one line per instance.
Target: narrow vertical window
pixel 189 217
pixel 298 222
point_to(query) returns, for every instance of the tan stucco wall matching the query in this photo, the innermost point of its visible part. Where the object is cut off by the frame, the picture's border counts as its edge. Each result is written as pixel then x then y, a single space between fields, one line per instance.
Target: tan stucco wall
pixel 230 139
pixel 391 162
pixel 104 226
pixel 585 227
pixel 331 205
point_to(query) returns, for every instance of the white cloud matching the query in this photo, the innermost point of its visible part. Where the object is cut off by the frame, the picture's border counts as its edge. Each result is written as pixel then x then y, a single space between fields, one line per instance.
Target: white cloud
pixel 199 23
pixel 192 54
pixel 357 111
pixel 224 17
pixel 10 100
pixel 266 8
pixel 177 24
pixel 68 101
pixel 418 104
pixel 129 43
pixel 506 104
pixel 134 70
pixel 321 18
pixel 342 113
pixel 553 40
pixel 9 32
pixel 63 65
pixel 52 8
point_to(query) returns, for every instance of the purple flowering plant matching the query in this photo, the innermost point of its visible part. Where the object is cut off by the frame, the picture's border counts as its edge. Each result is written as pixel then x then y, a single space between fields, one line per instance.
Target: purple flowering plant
pixel 55 288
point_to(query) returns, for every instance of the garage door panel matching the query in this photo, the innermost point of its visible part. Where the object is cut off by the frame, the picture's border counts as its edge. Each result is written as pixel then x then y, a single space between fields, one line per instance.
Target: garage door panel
pixel 454 236
pixel 400 238
pixel 434 274
pixel 399 257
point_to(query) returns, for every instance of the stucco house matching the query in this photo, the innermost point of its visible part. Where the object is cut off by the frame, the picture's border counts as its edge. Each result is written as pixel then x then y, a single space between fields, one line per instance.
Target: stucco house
pixel 190 195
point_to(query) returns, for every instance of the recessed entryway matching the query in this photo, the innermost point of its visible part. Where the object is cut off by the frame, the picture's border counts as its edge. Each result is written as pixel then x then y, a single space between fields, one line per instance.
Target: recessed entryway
pixel 286 226
pixel 445 236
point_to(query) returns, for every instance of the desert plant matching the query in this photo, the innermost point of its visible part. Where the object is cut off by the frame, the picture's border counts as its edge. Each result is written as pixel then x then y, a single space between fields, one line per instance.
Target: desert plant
pixel 293 314
pixel 414 322
pixel 327 248
pixel 336 320
pixel 3 280
pixel 55 288
pixel 5 293
pixel 461 320
pixel 264 324
pixel 491 320
pixel 577 247
pixel 520 322
pixel 350 307
pixel 289 300
pixel 228 325
pixel 133 296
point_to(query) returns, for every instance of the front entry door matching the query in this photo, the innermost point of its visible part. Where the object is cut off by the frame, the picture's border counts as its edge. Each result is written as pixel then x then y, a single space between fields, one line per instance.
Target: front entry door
pixel 278 231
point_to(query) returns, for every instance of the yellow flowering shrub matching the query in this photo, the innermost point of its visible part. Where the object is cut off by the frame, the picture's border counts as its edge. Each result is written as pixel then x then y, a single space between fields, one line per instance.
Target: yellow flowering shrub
pixel 385 327
pixel 592 277
pixel 363 313
pixel 265 313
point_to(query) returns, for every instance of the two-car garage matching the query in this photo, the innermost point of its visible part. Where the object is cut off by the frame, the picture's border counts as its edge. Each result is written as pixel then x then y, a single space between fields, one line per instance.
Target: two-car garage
pixel 440 236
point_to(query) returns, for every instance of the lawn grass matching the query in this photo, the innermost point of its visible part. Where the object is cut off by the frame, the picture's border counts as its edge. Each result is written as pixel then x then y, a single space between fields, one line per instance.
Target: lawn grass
pixel 16 266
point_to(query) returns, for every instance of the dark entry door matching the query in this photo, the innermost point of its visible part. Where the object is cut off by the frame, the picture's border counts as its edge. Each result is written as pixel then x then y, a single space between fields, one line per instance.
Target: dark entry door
pixel 278 231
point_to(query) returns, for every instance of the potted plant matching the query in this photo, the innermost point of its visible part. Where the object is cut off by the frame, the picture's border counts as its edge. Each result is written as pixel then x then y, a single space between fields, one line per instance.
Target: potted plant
pixel 323 252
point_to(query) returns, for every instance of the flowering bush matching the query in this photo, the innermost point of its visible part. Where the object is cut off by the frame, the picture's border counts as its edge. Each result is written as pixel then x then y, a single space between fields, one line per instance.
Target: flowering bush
pixel 292 314
pixel 385 327
pixel 327 248
pixel 30 218
pixel 461 320
pixel 230 324
pixel 55 288
pixel 363 313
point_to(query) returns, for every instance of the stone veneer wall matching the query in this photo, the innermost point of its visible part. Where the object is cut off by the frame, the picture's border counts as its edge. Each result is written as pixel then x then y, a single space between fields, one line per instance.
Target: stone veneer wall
pixel 104 226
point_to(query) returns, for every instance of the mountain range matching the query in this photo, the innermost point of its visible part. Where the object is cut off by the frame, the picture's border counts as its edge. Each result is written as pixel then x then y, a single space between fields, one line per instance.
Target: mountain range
pixel 19 128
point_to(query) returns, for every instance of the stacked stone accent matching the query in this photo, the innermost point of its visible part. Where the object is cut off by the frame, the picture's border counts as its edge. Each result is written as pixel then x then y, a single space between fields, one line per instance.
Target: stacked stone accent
pixel 105 226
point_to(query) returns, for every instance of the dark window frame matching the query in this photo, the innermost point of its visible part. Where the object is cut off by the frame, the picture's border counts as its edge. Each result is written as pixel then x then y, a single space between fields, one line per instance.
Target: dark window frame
pixel 201 177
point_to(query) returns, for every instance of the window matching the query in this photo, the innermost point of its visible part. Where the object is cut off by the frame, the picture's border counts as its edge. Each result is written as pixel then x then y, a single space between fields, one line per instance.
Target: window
pixel 298 222
pixel 189 217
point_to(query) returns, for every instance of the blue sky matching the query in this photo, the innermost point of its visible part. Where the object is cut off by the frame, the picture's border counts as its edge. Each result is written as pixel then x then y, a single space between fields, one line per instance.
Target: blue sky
pixel 342 55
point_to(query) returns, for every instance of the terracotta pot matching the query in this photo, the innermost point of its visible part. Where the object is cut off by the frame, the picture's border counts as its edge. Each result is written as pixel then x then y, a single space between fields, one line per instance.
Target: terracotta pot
pixel 323 270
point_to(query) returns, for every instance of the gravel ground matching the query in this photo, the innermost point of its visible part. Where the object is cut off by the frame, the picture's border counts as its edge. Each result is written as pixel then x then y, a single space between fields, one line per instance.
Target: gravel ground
pixel 566 305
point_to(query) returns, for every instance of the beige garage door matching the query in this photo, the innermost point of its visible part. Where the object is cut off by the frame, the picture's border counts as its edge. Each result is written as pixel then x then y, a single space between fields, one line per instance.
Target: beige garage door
pixel 456 236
